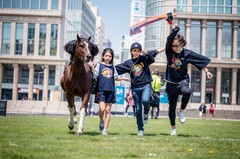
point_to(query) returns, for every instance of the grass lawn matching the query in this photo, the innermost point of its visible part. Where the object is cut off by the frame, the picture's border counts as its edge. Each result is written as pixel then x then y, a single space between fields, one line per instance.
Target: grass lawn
pixel 39 137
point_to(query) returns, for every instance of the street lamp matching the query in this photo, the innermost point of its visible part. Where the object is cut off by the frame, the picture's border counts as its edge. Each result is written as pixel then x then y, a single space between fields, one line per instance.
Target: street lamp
pixel 38 84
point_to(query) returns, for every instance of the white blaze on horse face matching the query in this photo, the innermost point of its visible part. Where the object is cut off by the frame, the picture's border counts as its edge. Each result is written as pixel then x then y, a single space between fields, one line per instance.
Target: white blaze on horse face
pixel 87 51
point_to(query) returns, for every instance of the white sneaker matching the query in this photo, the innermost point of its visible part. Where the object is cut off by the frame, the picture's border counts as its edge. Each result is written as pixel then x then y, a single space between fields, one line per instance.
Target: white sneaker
pixel 145 119
pixel 104 132
pixel 126 115
pixel 140 133
pixel 181 117
pixel 173 132
pixel 101 126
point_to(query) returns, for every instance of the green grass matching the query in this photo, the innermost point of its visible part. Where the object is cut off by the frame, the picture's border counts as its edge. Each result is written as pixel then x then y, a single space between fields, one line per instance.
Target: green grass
pixel 39 137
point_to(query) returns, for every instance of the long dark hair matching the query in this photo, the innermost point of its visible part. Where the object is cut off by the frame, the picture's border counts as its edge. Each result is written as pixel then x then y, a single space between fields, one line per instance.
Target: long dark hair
pixel 111 52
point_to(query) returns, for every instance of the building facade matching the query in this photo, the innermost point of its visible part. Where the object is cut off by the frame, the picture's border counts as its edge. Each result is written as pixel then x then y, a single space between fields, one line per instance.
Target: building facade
pixel 211 28
pixel 32 36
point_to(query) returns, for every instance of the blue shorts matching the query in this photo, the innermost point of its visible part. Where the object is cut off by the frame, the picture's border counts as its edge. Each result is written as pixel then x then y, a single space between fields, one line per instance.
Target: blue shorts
pixel 105 96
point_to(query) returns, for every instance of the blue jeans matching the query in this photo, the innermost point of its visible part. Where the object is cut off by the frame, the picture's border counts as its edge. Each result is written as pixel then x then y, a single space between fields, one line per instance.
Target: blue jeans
pixel 141 95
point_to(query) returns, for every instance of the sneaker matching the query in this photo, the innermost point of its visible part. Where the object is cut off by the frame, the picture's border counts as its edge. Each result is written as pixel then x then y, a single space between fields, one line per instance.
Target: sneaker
pixel 126 115
pixel 145 119
pixel 101 126
pixel 104 132
pixel 181 117
pixel 173 132
pixel 140 133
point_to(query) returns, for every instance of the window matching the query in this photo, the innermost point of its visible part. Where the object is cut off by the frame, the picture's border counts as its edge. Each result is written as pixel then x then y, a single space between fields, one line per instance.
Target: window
pixel 181 5
pixel 24 75
pixel 195 36
pixel 31 35
pixel 238 41
pixel 25 4
pixel 238 7
pixel 6 34
pixel 54 4
pixel 15 3
pixel 182 26
pixel 43 4
pixel 6 4
pixel 42 39
pixel 220 4
pixel 212 6
pixel 35 4
pixel 226 85
pixel 196 85
pixel 51 78
pixel 54 35
pixel 1 3
pixel 211 39
pixel 19 39
pixel 227 40
pixel 238 86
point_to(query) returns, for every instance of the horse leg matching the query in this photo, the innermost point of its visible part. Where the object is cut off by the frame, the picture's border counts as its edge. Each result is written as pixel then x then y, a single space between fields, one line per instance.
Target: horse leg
pixel 82 114
pixel 71 111
pixel 75 114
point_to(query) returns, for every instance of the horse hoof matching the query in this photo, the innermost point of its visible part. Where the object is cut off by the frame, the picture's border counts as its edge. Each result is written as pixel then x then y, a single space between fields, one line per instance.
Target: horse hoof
pixel 79 133
pixel 70 127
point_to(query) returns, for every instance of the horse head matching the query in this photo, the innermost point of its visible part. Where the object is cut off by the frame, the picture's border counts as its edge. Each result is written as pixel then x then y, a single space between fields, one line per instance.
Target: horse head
pixel 82 49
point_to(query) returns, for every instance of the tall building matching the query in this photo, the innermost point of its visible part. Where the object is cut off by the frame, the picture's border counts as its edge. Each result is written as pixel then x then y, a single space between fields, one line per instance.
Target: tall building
pixel 211 28
pixel 32 36
pixel 137 15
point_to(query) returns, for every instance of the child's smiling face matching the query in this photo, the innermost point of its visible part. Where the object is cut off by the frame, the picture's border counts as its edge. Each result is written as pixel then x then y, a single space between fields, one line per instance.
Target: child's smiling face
pixel 107 57
pixel 135 53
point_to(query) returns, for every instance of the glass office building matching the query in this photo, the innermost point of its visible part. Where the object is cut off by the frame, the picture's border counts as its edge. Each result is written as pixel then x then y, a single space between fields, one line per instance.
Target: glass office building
pixel 32 36
pixel 211 28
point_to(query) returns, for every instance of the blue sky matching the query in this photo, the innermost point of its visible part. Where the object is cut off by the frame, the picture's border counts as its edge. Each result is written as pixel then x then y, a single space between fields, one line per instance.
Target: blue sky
pixel 116 15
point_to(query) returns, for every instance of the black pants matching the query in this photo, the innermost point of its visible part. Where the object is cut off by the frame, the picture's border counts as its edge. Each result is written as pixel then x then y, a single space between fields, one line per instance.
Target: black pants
pixel 173 91
pixel 155 104
pixel 134 110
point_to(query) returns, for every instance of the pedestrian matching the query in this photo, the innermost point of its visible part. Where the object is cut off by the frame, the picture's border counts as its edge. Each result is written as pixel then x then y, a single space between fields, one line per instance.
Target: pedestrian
pixel 156 87
pixel 130 102
pixel 176 75
pixel 105 74
pixel 211 111
pixel 138 68
pixel 202 110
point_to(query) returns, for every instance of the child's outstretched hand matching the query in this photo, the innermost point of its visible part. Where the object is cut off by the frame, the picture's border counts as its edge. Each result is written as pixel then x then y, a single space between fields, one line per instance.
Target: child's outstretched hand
pixel 144 52
pixel 209 75
pixel 169 18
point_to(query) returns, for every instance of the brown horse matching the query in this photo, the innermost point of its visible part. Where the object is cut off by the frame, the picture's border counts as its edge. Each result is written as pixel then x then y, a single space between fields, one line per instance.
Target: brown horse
pixel 77 78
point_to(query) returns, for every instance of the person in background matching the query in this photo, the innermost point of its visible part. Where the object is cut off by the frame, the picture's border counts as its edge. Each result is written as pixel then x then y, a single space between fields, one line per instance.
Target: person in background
pixel 156 87
pixel 105 74
pixel 211 111
pixel 138 68
pixel 130 102
pixel 202 110
pixel 176 74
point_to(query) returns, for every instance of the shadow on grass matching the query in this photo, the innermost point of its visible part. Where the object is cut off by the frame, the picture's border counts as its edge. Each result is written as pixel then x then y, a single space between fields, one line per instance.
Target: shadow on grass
pixel 180 135
pixel 135 134
pixel 92 133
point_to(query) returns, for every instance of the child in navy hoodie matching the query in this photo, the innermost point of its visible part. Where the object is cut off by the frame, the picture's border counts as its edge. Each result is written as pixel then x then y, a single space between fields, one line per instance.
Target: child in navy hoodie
pixel 176 75
pixel 138 68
